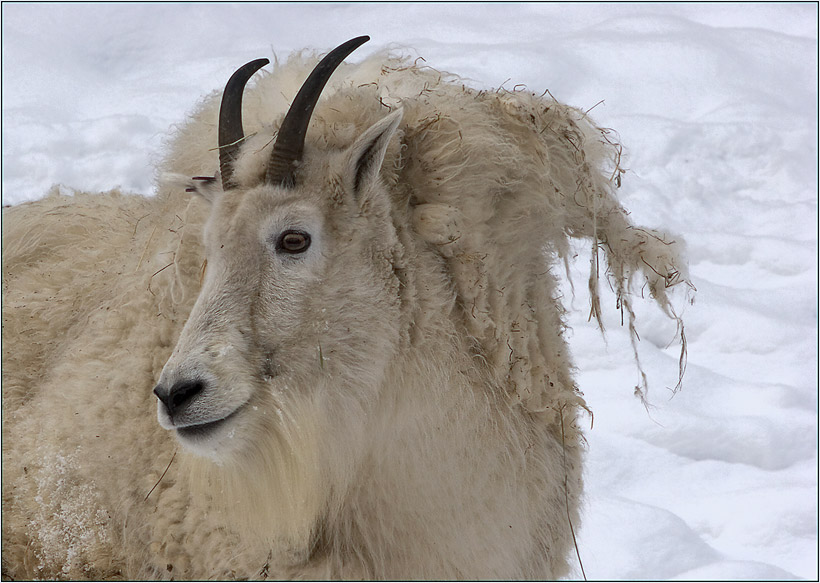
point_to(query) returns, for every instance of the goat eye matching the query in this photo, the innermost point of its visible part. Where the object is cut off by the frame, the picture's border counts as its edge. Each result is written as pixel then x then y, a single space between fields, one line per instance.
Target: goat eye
pixel 293 242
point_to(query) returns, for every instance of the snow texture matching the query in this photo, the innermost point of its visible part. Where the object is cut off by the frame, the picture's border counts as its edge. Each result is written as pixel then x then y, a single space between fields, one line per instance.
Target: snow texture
pixel 716 105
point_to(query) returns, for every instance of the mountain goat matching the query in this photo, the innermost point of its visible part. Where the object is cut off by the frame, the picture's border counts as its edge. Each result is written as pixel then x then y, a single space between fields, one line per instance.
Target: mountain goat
pixel 353 335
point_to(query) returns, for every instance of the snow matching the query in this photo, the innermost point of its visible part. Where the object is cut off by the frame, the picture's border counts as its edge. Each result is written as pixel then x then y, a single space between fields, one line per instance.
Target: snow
pixel 717 107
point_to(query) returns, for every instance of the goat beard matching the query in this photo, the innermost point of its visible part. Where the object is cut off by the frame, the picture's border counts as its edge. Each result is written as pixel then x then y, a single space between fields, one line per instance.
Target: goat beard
pixel 272 491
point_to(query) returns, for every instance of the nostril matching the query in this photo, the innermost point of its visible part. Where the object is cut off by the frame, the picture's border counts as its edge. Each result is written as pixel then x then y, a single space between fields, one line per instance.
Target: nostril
pixel 179 395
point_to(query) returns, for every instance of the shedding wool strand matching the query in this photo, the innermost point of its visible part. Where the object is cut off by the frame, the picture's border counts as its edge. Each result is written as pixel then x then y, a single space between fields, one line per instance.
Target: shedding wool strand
pixel 473 465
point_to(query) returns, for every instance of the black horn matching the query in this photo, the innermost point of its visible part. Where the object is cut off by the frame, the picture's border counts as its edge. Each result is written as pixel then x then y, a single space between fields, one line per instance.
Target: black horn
pixel 290 142
pixel 230 119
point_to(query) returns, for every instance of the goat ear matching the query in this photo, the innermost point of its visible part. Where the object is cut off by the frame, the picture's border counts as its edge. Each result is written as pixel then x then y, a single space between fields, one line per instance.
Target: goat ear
pixel 208 187
pixel 366 155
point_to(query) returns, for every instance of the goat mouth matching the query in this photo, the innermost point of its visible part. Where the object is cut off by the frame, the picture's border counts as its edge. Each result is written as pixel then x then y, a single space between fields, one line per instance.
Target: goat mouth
pixel 205 430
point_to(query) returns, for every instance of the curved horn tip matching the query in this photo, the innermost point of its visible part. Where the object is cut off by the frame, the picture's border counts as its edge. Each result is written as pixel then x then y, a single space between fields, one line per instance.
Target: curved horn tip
pixel 351 45
pixel 360 39
pixel 230 117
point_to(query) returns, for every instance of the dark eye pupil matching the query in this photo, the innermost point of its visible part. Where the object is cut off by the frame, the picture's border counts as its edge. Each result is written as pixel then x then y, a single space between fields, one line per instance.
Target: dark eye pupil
pixel 294 242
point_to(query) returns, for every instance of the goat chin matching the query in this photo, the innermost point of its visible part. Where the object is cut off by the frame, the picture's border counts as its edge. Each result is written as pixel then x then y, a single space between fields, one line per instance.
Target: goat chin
pixel 385 388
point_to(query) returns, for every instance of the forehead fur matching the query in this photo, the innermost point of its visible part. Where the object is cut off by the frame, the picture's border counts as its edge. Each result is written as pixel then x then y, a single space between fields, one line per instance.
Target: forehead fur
pixel 247 209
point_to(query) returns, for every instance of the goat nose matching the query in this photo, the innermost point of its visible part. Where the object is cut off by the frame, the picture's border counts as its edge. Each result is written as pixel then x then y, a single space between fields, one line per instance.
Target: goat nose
pixel 179 395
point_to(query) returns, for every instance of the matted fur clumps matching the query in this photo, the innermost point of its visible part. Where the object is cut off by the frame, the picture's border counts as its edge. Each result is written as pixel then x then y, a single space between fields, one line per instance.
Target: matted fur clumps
pixel 462 459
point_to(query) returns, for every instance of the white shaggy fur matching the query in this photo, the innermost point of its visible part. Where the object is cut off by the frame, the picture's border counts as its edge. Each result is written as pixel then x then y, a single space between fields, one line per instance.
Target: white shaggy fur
pixel 407 402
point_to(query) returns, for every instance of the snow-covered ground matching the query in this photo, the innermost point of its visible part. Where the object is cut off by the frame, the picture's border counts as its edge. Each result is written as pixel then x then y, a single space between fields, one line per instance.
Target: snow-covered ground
pixel 717 107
